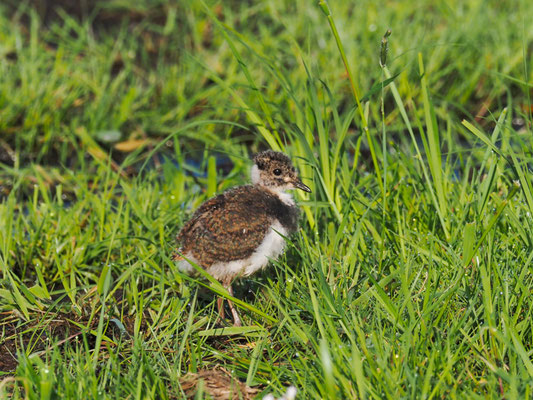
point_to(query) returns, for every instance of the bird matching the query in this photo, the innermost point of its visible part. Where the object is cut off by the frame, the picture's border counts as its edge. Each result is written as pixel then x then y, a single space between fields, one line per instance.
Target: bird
pixel 237 232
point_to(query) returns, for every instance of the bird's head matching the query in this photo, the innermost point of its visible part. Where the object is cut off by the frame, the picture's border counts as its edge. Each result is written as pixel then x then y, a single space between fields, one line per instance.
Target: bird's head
pixel 274 171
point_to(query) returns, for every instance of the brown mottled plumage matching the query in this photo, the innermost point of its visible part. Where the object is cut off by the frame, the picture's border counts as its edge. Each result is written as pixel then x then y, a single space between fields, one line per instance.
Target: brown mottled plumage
pixel 236 233
pixel 233 224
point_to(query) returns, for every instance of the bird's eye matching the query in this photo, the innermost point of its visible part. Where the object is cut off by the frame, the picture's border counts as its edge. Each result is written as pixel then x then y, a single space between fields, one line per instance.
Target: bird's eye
pixel 277 171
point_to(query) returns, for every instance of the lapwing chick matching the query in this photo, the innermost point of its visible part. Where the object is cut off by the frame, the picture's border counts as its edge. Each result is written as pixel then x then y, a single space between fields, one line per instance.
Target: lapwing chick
pixel 235 233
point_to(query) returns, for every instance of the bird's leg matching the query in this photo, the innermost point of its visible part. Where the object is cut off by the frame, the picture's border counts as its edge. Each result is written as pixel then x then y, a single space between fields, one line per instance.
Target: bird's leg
pixel 220 306
pixel 236 318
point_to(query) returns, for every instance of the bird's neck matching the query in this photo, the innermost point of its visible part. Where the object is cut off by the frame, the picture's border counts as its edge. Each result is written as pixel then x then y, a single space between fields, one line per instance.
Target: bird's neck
pixel 285 197
pixel 255 175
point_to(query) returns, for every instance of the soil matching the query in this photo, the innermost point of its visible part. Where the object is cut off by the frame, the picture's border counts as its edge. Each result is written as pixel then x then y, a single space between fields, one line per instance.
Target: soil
pixel 59 328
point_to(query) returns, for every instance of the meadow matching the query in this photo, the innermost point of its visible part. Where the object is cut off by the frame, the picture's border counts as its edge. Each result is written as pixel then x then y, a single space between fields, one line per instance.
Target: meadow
pixel 411 274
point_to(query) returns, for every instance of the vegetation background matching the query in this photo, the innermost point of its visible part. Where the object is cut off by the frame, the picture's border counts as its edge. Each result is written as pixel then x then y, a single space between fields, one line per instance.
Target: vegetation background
pixel 411 276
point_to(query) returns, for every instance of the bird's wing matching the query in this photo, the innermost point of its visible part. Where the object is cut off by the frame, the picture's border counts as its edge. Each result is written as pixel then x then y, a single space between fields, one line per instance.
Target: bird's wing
pixel 222 231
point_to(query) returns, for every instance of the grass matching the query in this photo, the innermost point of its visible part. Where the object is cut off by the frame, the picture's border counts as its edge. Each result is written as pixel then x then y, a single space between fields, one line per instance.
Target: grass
pixel 411 274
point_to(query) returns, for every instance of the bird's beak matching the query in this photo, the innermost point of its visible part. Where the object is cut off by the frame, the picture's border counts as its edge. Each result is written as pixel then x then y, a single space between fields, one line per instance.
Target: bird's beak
pixel 297 183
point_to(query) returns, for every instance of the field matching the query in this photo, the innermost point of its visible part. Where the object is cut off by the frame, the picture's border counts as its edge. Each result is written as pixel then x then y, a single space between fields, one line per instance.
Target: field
pixel 411 274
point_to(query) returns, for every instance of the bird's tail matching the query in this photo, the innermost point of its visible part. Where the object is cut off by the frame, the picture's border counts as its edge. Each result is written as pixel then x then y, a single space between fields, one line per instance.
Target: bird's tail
pixel 177 256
